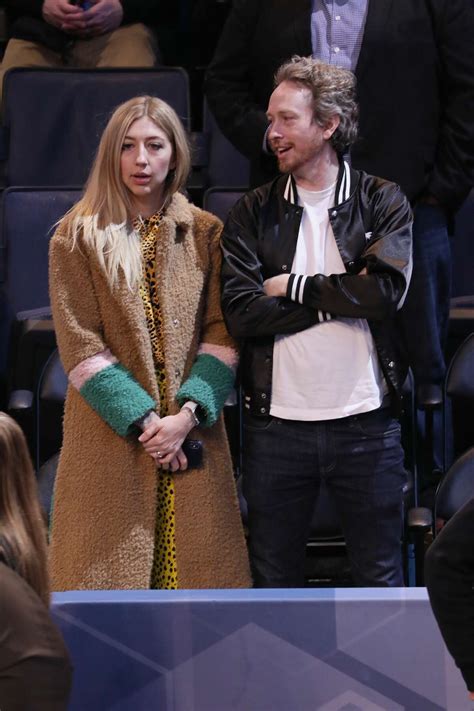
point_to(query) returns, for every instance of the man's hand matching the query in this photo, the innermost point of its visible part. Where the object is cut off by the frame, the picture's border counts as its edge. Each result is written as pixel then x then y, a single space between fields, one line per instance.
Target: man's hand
pixel 104 16
pixel 277 285
pixel 63 15
pixel 162 439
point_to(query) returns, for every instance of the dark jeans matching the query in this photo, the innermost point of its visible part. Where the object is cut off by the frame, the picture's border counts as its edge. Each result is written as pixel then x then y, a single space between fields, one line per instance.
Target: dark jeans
pixel 425 314
pixel 360 459
pixel 426 310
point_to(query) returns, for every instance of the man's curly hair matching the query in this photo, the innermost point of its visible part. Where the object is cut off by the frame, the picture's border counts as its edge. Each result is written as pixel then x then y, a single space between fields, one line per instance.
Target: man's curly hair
pixel 333 92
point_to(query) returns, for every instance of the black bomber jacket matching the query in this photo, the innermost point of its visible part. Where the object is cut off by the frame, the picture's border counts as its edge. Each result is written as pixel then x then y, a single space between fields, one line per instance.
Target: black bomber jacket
pixel 372 225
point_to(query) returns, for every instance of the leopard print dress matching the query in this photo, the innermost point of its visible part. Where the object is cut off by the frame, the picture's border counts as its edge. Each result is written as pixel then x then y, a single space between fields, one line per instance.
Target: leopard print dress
pixel 164 573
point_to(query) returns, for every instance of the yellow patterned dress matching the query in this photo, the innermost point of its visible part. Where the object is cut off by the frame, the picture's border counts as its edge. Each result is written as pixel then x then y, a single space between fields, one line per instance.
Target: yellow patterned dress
pixel 164 573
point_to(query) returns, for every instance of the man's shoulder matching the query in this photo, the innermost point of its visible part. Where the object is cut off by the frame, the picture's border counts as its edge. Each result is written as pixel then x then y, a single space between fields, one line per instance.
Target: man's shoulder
pixel 374 185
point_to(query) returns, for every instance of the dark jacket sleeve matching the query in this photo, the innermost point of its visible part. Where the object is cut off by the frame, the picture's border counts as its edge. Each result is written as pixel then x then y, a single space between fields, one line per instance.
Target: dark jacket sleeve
pixel 228 81
pixel 387 259
pixel 453 173
pixel 248 312
pixel 449 572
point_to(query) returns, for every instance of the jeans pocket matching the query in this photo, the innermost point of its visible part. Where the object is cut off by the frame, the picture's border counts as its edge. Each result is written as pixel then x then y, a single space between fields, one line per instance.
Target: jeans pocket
pixel 377 423
pixel 257 422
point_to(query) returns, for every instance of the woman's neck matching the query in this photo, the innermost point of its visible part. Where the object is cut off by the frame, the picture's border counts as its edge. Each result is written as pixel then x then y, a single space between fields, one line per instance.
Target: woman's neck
pixel 145 208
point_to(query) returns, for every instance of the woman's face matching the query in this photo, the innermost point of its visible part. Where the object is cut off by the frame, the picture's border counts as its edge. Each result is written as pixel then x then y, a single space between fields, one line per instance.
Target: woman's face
pixel 147 157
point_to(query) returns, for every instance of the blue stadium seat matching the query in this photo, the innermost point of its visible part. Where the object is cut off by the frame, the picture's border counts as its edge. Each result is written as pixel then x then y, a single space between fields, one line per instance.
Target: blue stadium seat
pixel 220 200
pixel 27 219
pixel 53 118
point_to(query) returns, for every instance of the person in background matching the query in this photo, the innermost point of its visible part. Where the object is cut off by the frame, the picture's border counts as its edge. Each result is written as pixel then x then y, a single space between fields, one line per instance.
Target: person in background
pixel 449 577
pixel 315 266
pixel 86 34
pixel 135 295
pixel 35 671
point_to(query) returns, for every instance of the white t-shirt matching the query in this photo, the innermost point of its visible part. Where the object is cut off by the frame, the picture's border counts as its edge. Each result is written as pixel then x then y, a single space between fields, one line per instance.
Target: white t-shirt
pixel 330 370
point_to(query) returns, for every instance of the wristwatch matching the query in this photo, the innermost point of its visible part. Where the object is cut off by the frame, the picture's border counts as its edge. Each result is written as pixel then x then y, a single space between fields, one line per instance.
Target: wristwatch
pixel 194 409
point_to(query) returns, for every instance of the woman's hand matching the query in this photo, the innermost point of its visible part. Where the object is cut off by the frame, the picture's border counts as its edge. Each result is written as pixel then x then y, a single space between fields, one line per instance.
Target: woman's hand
pixel 180 461
pixel 162 439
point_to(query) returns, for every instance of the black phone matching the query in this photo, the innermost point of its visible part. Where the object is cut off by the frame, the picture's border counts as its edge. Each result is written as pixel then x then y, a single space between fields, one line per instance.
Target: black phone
pixel 193 450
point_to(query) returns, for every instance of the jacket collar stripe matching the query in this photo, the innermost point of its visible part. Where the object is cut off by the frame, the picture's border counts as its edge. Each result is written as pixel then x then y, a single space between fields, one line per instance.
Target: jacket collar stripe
pixel 347 173
pixel 343 186
pixel 343 190
pixel 290 193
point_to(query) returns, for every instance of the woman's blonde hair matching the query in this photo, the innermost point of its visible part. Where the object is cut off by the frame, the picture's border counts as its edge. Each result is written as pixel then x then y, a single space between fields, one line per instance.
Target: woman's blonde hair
pixel 22 524
pixel 103 215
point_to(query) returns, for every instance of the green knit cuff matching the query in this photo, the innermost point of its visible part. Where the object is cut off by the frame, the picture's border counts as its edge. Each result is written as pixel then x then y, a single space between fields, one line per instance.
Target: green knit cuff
pixel 117 397
pixel 210 382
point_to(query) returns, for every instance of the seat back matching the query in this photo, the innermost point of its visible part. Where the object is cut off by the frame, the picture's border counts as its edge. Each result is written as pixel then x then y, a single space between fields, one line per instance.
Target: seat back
pixel 27 219
pixel 54 118
pixel 226 166
pixel 50 397
pixel 460 375
pixel 456 488
pixel 220 200
pixel 459 399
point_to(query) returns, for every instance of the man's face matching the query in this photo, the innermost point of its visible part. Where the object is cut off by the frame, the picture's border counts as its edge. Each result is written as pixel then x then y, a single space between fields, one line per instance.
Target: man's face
pixel 294 136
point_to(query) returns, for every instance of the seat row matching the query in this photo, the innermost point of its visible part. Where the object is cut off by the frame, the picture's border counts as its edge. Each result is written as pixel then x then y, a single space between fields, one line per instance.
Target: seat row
pixel 53 120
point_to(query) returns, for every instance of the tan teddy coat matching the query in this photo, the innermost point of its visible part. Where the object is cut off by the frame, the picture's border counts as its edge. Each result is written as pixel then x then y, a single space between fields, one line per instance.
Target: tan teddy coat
pixel 105 493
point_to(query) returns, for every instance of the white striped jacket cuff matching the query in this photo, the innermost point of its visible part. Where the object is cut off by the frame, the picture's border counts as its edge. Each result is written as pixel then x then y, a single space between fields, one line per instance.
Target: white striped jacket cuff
pixel 295 292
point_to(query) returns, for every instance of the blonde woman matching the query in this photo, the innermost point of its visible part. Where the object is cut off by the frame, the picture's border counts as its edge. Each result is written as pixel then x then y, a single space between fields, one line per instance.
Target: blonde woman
pixel 134 282
pixel 35 672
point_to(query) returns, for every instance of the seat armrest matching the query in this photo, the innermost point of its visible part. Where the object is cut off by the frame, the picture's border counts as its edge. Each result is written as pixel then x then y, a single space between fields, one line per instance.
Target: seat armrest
pixel 20 400
pixel 429 396
pixel 420 519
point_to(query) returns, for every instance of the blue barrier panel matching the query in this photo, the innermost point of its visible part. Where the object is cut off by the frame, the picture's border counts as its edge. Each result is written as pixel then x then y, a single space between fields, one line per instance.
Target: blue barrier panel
pixel 257 650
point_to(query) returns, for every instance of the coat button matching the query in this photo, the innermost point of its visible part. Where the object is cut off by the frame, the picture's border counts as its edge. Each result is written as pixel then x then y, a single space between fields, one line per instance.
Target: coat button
pixel 284 267
pixel 391 364
pixel 264 396
pixel 350 264
pixel 177 372
pixel 175 322
pixel 334 213
pixel 263 410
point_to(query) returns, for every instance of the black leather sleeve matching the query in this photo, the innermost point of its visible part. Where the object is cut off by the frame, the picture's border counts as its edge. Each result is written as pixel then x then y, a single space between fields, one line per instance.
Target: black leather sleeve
pixel 248 312
pixel 387 259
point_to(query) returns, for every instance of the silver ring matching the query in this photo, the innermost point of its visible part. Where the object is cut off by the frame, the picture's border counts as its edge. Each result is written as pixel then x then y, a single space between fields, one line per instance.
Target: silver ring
pixel 159 455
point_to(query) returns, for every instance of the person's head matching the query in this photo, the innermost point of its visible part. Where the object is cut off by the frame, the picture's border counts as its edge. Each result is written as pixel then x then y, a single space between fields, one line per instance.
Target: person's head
pixel 22 524
pixel 144 138
pixel 143 158
pixel 311 109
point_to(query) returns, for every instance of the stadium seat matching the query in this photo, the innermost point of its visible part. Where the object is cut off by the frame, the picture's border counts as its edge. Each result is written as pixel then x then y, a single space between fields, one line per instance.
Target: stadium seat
pixel 27 219
pixel 219 200
pixel 53 118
